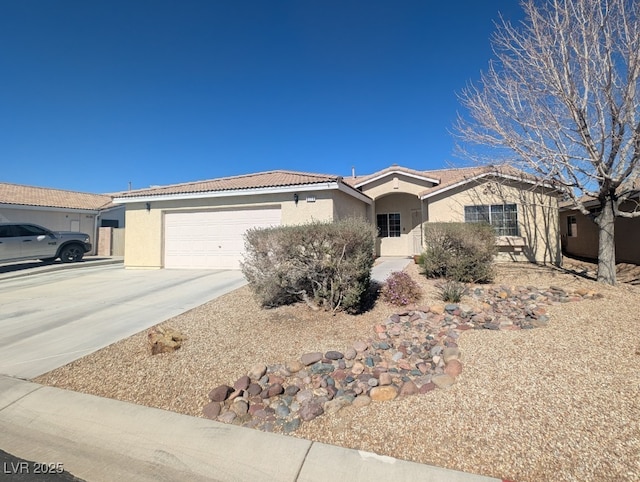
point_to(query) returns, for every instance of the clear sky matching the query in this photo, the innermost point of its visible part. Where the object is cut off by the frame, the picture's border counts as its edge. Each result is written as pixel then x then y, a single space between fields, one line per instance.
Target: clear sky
pixel 97 94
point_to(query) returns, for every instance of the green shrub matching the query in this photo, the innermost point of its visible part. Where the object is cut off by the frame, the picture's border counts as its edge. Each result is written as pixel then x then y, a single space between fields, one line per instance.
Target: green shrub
pixel 451 291
pixel 327 265
pixel 400 289
pixel 459 251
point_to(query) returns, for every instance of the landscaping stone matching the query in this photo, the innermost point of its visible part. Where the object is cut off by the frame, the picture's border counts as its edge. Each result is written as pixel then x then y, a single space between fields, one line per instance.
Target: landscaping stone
pixel 257 371
pixel 334 355
pixel 411 352
pixel 220 393
pixel 383 394
pixel 311 358
pixel 453 368
pixel 310 410
pixel 242 383
pixel 443 381
pixel 164 339
pixel 212 410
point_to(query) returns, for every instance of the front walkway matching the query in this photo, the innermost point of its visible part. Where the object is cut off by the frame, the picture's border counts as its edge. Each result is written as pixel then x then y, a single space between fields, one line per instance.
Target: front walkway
pixel 385 265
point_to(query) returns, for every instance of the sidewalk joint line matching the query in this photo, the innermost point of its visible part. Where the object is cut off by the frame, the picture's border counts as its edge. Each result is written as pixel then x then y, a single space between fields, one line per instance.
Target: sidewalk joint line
pixel 304 460
pixel 23 396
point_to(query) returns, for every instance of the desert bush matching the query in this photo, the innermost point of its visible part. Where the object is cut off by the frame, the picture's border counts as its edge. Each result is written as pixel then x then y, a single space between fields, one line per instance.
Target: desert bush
pixel 327 265
pixel 400 289
pixel 451 291
pixel 459 251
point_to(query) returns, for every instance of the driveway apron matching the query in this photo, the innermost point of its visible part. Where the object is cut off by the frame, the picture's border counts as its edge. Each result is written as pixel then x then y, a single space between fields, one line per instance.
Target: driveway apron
pixel 50 319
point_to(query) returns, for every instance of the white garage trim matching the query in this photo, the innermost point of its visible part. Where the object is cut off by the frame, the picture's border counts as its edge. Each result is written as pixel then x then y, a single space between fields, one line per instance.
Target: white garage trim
pixel 212 239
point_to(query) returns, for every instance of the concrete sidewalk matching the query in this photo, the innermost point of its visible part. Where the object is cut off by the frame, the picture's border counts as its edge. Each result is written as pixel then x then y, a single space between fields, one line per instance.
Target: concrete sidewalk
pixel 386 265
pixel 99 439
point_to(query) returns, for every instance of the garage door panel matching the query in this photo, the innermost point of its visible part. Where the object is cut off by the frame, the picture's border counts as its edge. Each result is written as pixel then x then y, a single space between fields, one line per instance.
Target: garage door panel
pixel 212 239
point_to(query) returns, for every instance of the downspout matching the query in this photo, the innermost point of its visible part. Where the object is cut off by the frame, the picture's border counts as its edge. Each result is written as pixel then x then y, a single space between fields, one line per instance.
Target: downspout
pixel 95 233
pixel 421 225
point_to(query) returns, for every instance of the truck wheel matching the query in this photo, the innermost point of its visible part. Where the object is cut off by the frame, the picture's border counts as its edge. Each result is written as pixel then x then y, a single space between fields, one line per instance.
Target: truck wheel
pixel 71 253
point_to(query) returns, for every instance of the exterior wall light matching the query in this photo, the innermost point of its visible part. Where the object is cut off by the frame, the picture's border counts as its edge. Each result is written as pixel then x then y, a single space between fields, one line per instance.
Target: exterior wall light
pixel 295 198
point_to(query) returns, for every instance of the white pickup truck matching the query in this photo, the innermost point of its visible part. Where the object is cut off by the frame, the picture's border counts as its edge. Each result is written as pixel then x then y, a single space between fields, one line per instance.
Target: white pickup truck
pixel 23 241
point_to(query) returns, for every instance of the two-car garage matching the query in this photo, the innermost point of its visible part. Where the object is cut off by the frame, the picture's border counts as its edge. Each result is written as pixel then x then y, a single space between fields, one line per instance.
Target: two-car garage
pixel 212 239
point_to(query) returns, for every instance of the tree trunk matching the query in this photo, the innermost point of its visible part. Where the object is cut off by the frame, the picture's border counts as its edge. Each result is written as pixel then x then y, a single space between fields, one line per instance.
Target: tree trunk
pixel 606 245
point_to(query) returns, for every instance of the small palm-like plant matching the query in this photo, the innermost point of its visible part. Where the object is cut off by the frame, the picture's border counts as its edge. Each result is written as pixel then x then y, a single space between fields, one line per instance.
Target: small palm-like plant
pixel 451 291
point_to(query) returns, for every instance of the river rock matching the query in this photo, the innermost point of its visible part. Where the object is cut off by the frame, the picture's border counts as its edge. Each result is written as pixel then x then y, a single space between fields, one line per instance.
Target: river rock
pixel 383 394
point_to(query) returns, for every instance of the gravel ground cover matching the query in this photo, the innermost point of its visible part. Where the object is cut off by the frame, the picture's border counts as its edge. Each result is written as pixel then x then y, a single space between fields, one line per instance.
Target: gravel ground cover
pixel 560 402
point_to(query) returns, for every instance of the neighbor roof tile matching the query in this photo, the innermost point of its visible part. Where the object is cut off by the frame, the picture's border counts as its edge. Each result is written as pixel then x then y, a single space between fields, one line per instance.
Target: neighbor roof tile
pixel 55 198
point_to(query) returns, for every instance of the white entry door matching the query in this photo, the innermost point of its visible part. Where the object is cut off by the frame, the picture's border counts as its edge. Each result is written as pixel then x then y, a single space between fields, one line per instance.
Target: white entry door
pixel 211 239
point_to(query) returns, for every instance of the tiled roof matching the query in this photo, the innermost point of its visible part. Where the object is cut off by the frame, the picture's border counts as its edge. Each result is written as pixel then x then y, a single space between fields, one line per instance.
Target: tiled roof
pixel 248 181
pixel 451 177
pixel 355 181
pixel 445 177
pixel 54 198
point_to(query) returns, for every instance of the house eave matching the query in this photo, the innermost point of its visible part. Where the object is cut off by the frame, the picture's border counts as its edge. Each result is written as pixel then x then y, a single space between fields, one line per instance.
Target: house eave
pixel 480 176
pixel 397 172
pixel 325 186
pixel 48 208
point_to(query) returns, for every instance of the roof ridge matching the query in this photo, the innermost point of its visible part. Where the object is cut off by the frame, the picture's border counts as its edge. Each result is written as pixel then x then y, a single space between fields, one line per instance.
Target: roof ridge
pixel 225 178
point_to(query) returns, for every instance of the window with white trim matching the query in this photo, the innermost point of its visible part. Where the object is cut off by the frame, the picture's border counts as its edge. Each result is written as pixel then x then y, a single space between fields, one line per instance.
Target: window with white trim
pixel 503 217
pixel 388 225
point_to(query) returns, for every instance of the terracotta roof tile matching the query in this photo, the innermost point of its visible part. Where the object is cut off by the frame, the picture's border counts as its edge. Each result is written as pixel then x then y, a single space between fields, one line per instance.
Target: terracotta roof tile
pixel 54 198
pixel 247 181
pixel 354 181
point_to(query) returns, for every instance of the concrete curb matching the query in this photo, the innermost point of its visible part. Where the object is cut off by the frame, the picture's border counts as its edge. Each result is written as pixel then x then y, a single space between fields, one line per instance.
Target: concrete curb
pixel 20 270
pixel 100 439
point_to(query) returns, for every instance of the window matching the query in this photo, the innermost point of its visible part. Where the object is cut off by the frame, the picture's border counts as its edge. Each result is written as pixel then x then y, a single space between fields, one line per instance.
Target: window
pixel 388 225
pixel 29 230
pixel 7 231
pixel 572 227
pixel 503 217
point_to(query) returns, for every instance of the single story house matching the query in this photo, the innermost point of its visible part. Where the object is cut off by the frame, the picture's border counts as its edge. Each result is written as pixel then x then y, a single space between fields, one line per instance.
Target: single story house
pixel 59 210
pixel 579 234
pixel 201 224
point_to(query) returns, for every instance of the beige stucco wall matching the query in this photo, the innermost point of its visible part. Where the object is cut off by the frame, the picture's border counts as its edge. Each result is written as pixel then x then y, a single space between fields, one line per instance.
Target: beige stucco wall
pixel 537 215
pixel 404 204
pixel 346 206
pixel 144 240
pixel 585 243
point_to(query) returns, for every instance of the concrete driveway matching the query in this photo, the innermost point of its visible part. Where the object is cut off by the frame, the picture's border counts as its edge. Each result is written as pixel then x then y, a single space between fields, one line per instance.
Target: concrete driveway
pixel 52 318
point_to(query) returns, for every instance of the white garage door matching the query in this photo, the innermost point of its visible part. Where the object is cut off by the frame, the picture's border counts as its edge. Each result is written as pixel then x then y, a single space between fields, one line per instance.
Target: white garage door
pixel 212 239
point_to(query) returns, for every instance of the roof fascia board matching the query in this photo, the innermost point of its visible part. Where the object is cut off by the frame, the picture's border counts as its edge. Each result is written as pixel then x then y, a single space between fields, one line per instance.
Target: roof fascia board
pixel 47 208
pixel 356 194
pixel 243 192
pixel 415 176
pixel 480 176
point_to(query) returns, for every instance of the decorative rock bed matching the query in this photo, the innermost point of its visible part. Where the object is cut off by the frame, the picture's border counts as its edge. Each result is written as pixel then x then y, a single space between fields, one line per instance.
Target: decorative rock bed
pixel 412 352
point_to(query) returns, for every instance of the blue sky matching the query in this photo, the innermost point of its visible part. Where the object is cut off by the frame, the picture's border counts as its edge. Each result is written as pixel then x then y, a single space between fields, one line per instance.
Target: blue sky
pixel 97 94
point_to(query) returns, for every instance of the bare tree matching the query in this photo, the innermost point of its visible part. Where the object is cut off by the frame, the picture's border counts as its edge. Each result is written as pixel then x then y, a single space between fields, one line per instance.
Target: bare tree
pixel 561 100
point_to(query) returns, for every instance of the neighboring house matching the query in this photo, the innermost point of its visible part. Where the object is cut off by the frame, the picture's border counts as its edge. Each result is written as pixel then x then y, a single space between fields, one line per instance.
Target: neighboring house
pixel 579 233
pixel 59 210
pixel 201 224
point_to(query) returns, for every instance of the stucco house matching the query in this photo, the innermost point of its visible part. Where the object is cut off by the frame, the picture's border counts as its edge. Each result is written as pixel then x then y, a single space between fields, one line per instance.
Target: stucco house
pixel 59 210
pixel 201 224
pixel 579 234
